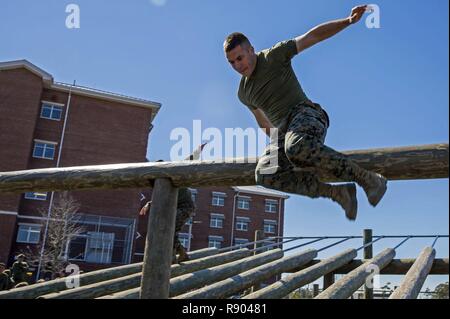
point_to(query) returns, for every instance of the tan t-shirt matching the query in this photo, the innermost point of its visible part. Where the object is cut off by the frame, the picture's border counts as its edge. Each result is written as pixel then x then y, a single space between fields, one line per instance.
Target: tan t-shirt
pixel 273 86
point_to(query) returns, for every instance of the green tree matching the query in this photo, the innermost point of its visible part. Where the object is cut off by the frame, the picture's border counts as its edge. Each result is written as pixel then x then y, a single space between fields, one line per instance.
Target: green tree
pixel 441 291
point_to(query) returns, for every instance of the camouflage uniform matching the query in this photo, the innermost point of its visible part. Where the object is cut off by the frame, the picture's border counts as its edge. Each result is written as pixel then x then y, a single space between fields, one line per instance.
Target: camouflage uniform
pixel 185 210
pixel 19 271
pixel 302 126
pixel 4 281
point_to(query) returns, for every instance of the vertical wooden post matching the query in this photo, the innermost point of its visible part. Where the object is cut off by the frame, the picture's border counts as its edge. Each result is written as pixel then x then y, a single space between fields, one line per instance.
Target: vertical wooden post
pixel 315 290
pixel 368 254
pixel 328 280
pixel 259 235
pixel 155 281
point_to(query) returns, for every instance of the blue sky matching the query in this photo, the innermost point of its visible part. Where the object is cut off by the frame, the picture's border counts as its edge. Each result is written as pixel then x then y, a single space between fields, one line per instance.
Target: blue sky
pixel 381 87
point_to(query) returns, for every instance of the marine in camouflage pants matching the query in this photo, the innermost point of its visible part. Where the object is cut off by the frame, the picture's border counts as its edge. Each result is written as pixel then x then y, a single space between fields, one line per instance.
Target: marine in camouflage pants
pixel 185 210
pixel 302 145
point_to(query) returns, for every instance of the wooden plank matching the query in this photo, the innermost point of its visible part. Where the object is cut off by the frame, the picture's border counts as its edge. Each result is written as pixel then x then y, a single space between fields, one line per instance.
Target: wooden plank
pixel 185 283
pixel 347 285
pixel 296 280
pixel 132 281
pixel 36 290
pixel 158 255
pixel 416 276
pixel 368 254
pixel 237 283
pixel 396 267
pixel 400 163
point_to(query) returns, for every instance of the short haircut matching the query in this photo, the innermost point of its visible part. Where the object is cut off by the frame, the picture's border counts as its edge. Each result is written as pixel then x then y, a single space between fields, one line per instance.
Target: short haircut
pixel 235 39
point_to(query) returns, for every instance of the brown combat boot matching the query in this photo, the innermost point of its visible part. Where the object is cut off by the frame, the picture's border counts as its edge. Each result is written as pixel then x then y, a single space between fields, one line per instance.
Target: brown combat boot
pixel 345 195
pixel 375 186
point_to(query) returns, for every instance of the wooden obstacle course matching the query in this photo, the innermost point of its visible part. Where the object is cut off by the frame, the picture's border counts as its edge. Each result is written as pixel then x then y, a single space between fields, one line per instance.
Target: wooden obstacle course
pixel 404 163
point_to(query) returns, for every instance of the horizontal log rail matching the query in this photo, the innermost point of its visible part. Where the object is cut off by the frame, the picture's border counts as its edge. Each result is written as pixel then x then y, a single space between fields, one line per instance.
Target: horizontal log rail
pixel 400 163
pixel 440 266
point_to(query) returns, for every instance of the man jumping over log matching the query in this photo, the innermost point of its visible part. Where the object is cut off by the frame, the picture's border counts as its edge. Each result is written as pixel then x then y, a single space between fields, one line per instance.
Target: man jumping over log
pixel 270 89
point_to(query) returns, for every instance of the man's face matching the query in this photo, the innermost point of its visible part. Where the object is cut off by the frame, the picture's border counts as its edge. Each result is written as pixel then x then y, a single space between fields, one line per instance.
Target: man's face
pixel 243 59
pixel 1 269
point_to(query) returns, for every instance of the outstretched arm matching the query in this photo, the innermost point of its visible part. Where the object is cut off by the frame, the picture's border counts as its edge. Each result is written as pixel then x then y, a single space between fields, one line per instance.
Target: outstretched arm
pixel 328 29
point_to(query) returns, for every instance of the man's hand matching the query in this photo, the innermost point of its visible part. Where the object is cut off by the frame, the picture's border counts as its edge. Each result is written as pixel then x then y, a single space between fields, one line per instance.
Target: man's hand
pixel 357 13
pixel 328 29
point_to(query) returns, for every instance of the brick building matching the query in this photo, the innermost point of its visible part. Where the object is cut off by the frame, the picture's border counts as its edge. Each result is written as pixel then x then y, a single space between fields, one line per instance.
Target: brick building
pixel 38 115
pixel 229 216
pixel 95 127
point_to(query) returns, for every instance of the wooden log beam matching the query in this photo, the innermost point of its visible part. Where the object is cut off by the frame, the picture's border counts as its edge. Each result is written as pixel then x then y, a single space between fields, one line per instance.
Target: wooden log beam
pixel 158 255
pixel 296 280
pixel 367 254
pixel 132 281
pixel 400 163
pixel 416 276
pixel 185 283
pixel 36 290
pixel 347 285
pixel 396 267
pixel 232 285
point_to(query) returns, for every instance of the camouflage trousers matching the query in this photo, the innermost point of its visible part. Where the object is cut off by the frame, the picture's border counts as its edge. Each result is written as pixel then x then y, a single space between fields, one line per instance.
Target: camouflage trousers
pixel 300 143
pixel 184 212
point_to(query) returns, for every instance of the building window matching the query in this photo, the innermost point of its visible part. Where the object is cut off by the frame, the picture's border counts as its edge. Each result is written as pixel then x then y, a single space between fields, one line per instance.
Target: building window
pixel 99 247
pixel 270 226
pixel 243 203
pixel 36 196
pixel 242 223
pixel 194 193
pixel 215 241
pixel 29 234
pixel 51 112
pixel 218 199
pixel 184 239
pixel 105 240
pixel 44 150
pixel 216 221
pixel 271 206
pixel 241 242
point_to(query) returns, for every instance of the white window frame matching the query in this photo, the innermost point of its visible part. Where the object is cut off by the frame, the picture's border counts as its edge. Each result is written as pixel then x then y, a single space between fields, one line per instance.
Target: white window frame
pixel 215 241
pixel 106 252
pixel 214 222
pixel 36 196
pixel 268 227
pixel 218 200
pixel 246 202
pixel 271 203
pixel 47 144
pixel 242 224
pixel 194 194
pixel 29 232
pixel 52 107
pixel 184 239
